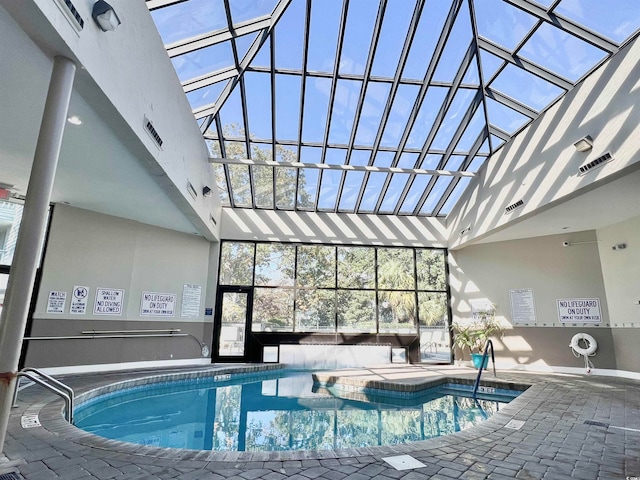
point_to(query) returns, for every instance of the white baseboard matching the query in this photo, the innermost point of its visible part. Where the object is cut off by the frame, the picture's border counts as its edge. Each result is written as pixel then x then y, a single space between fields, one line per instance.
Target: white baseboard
pixel 604 372
pixel 111 367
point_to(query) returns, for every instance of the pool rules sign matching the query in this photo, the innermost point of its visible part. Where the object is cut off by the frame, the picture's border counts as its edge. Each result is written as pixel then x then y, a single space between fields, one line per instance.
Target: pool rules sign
pixel 108 301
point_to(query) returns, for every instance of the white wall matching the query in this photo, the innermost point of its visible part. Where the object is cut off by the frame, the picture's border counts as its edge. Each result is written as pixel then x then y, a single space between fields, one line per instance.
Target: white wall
pixel 95 250
pixel 338 228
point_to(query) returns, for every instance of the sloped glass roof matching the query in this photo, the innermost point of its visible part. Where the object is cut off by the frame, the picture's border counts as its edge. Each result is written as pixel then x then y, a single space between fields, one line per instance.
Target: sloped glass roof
pixel 375 106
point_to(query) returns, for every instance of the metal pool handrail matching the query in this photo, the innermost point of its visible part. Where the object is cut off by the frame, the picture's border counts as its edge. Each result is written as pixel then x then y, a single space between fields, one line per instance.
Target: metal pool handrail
pixel 51 384
pixel 488 346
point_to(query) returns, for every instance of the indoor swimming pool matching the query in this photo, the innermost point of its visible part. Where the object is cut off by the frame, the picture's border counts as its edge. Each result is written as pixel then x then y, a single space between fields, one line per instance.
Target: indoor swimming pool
pixel 279 411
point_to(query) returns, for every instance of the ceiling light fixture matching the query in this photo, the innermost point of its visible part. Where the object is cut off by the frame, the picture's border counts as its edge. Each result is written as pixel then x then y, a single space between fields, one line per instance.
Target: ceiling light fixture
pixel 74 120
pixel 584 144
pixel 105 16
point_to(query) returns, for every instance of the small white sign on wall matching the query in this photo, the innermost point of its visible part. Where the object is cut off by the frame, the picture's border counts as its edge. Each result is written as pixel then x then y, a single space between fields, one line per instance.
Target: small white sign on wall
pixel 109 301
pixel 155 304
pixel 579 310
pixel 79 299
pixel 523 309
pixel 56 302
pixel 191 295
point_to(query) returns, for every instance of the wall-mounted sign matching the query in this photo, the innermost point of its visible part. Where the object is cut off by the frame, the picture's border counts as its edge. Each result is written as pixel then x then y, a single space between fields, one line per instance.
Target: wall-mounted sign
pixel 109 301
pixel 579 310
pixel 523 310
pixel 191 301
pixel 79 299
pixel 56 302
pixel 154 304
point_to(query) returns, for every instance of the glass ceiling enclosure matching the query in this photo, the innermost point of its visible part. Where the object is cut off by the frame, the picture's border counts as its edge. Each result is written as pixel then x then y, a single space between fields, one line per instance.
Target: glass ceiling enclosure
pixel 375 106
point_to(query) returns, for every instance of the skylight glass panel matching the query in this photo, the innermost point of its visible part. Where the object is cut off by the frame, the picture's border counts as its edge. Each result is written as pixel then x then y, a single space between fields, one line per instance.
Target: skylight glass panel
pixel 394 190
pixel 316 104
pixel 184 20
pixel 221 184
pixel 344 110
pixel 384 159
pixel 261 151
pixel 372 192
pixel 286 153
pixel 526 88
pixel 243 43
pixel 497 142
pixel 456 47
pixel 360 157
pixel 235 150
pixel 560 52
pixel 240 185
pixel 214 148
pixel 399 114
pixel 361 19
pixel 289 35
pixel 372 109
pixel 490 65
pixel 454 163
pixel 426 116
pixel 263 181
pixel 329 189
pixel 258 97
pixel 395 26
pixel 453 117
pixel 285 187
pixel 472 77
pixel 350 190
pixel 435 195
pixel 455 195
pixel 204 96
pixel 243 10
pixel 431 161
pixel 472 132
pixel 485 147
pixel 263 57
pixel 323 35
pixel 232 116
pixel 424 42
pixel 617 21
pixel 307 188
pixel 505 118
pixel 311 155
pixel 287 106
pixel 418 187
pixel 335 156
pixel 476 163
pixel 502 23
pixel 204 61
pixel 408 160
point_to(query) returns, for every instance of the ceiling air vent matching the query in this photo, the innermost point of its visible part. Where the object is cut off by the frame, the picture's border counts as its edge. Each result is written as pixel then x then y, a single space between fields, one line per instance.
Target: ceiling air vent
pixel 513 206
pixel 148 126
pixel 587 167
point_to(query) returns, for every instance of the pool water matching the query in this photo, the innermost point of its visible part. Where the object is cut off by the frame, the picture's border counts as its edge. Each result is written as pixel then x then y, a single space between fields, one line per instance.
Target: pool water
pixel 274 412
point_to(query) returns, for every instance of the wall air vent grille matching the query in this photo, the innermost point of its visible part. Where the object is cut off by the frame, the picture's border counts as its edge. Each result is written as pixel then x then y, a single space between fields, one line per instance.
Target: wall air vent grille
pixel 587 167
pixel 513 206
pixel 148 126
pixel 213 220
pixel 71 14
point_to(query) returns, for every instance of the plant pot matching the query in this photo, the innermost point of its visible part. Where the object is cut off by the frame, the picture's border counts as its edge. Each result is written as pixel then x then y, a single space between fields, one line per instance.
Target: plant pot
pixel 476 358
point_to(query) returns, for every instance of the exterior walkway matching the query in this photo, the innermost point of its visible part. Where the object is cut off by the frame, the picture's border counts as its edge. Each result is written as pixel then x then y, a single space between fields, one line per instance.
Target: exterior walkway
pixel 582 427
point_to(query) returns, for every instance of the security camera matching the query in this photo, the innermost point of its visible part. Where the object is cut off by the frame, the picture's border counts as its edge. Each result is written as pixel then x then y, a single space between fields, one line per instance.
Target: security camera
pixel 565 244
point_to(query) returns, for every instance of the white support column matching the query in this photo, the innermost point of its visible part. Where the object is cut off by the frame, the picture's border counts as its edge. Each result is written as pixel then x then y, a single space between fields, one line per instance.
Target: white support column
pixel 31 235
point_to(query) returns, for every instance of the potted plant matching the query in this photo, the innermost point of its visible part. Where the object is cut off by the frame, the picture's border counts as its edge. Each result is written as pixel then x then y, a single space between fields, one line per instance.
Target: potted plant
pixel 473 335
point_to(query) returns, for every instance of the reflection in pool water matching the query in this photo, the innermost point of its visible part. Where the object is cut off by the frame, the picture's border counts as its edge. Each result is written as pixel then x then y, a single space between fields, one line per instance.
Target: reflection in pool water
pixel 269 414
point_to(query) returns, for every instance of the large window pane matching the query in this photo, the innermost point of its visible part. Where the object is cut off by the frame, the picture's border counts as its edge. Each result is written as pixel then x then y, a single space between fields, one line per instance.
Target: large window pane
pixel 432 308
pixel 356 311
pixel 397 312
pixel 315 311
pixel 356 267
pixel 431 269
pixel 10 218
pixel 316 266
pixel 275 264
pixel 272 310
pixel 236 263
pixel 395 268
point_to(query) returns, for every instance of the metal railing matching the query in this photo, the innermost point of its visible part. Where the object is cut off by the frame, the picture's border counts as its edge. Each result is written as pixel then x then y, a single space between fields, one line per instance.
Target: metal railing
pixel 51 384
pixel 488 346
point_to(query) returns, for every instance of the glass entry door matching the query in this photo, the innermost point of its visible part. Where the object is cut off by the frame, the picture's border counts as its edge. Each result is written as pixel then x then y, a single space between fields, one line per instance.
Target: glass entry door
pixel 232 323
